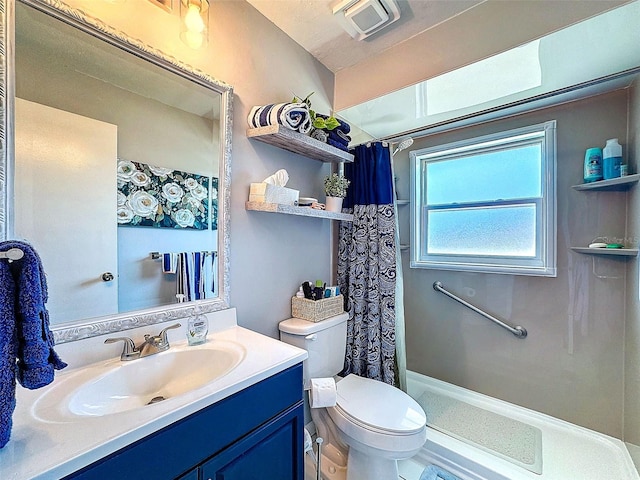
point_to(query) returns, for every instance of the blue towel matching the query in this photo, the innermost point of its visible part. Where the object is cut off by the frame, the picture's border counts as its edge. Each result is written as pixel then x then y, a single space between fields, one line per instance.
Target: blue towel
pixel 26 342
pixel 338 136
pixel 8 344
pixel 291 115
pixel 340 145
pixel 436 473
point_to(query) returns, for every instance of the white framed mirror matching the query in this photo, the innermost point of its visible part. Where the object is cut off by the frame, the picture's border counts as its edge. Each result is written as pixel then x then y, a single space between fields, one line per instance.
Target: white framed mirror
pixel 116 168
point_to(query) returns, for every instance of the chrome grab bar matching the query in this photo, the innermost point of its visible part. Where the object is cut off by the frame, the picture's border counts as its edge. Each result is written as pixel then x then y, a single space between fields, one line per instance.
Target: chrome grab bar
pixel 518 331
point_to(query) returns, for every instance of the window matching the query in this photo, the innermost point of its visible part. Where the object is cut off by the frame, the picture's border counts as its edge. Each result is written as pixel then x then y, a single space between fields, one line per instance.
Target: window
pixel 487 204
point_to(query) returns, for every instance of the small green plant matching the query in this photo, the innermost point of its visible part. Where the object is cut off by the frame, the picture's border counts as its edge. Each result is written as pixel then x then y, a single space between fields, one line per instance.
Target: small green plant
pixel 336 186
pixel 328 123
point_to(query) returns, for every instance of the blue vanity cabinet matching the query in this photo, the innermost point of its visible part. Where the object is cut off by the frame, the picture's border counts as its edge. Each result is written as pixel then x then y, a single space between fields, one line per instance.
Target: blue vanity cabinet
pixel 255 433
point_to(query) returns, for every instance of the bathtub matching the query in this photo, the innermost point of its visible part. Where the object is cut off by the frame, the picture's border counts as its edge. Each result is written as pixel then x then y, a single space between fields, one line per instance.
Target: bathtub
pixel 565 452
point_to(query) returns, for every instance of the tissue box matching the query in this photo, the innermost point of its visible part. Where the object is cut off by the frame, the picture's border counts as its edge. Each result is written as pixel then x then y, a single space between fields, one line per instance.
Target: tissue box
pixel 316 310
pixel 267 193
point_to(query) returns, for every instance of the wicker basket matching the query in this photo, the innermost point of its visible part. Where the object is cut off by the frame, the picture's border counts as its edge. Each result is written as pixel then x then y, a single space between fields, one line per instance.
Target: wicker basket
pixel 316 310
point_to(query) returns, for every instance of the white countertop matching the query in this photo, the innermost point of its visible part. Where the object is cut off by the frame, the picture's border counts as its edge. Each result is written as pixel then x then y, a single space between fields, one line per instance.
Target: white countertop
pixel 46 449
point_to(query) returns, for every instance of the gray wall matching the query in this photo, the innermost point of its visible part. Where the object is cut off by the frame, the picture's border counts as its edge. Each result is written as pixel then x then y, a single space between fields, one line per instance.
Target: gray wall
pixel 571 364
pixel 632 336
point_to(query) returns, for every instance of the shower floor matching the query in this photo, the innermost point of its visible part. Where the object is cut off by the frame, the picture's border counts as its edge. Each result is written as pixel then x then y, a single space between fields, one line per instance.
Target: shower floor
pixel 566 451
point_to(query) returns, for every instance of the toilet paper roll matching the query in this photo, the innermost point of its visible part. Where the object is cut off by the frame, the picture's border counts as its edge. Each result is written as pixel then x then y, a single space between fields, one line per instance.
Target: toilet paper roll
pixel 322 393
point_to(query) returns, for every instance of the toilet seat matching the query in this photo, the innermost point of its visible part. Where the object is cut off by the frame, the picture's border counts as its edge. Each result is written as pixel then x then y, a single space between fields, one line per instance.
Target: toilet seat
pixel 378 407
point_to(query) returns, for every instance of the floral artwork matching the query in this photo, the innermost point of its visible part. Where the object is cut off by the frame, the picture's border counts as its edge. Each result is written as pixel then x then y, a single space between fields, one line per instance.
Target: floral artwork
pixel 160 197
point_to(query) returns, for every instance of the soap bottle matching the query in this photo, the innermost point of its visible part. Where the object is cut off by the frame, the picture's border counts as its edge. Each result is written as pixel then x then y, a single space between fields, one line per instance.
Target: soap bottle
pixel 197 328
pixel 611 159
pixel 592 165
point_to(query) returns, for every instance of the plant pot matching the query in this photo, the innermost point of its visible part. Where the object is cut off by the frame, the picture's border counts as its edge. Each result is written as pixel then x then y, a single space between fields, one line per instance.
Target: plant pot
pixel 333 204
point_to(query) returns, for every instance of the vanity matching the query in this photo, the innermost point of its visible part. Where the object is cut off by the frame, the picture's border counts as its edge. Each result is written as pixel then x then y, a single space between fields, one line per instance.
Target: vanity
pixel 247 420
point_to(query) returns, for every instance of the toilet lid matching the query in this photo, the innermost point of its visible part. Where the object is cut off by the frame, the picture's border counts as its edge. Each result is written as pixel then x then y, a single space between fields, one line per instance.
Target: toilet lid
pixel 379 406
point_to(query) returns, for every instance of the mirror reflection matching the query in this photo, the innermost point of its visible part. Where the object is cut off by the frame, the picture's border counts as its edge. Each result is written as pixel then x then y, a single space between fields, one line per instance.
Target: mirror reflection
pixel 117 167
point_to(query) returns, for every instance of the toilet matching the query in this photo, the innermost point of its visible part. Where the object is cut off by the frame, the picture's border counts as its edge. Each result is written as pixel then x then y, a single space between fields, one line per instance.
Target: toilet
pixel 372 425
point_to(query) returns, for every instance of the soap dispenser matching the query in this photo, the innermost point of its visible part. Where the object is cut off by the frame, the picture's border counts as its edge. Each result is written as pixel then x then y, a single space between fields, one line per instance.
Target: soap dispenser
pixel 197 328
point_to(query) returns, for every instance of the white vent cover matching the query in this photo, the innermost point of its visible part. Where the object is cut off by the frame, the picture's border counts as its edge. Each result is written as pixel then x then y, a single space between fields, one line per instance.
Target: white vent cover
pixel 361 18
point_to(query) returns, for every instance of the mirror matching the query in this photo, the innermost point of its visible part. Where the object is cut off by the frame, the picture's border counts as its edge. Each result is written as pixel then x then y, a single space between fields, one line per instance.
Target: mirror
pixel 116 170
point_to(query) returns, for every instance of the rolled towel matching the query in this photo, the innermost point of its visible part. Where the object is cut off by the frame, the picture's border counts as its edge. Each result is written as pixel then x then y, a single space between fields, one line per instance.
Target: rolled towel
pixel 338 136
pixel 291 115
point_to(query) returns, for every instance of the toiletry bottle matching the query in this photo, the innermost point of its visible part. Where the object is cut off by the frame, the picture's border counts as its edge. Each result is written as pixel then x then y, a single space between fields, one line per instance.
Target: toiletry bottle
pixel 300 293
pixel 197 328
pixel 592 165
pixel 611 159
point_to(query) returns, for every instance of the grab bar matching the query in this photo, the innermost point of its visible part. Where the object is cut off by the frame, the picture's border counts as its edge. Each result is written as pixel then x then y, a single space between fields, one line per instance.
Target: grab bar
pixel 518 331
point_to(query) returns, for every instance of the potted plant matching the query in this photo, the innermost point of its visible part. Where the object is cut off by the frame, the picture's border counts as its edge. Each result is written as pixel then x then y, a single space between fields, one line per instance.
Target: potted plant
pixel 335 189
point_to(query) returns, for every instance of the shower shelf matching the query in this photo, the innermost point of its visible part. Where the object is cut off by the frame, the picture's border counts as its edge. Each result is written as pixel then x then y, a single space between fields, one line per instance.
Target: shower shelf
pixel 615 184
pixel 296 142
pixel 293 210
pixel 619 252
pixel 402 202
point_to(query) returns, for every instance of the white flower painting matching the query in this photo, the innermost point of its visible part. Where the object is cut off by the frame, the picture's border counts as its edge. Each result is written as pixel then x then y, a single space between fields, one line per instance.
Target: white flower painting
pixel 152 196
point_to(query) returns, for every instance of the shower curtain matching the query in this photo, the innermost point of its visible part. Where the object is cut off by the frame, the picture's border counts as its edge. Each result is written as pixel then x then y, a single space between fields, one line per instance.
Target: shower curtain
pixel 367 265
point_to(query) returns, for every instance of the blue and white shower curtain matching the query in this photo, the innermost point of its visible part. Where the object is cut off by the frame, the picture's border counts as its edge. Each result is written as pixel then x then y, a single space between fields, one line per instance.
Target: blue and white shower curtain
pixel 367 264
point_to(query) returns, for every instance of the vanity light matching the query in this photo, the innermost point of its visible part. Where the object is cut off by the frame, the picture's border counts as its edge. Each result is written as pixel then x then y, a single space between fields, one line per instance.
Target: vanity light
pixel 194 22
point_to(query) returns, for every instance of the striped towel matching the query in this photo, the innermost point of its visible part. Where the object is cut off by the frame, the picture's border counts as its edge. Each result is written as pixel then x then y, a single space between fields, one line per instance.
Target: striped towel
pixel 291 115
pixel 191 276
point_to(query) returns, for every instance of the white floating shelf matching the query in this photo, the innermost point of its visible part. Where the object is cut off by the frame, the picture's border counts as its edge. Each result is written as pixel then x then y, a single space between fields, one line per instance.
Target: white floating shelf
pixel 619 184
pixel 292 210
pixel 402 202
pixel 297 142
pixel 619 252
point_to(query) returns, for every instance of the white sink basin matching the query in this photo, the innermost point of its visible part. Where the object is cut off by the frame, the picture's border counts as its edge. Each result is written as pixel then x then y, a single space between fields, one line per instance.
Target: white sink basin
pixel 118 386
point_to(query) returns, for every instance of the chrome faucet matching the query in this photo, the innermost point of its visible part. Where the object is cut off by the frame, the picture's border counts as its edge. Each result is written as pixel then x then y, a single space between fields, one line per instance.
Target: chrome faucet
pixel 151 345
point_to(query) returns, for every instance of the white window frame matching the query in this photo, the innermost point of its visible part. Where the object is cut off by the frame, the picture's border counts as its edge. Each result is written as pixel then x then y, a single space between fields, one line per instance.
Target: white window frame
pixel 544 261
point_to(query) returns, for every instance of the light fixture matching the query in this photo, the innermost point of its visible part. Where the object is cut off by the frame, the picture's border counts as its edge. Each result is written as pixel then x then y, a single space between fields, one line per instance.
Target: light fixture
pixel 194 22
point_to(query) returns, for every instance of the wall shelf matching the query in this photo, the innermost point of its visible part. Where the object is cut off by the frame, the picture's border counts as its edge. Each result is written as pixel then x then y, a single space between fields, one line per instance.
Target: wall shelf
pixel 620 252
pixel 293 210
pixel 297 142
pixel 615 184
pixel 402 202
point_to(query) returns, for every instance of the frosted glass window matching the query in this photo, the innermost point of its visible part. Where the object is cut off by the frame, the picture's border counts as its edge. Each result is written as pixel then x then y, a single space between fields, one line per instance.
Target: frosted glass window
pixel 487 204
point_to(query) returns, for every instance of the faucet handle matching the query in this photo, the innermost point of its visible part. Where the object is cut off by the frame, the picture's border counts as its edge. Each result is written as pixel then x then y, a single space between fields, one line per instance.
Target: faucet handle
pixel 163 333
pixel 129 351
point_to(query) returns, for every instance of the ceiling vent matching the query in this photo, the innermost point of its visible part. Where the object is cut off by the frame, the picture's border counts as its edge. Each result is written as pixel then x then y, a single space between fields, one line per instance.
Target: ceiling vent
pixel 361 18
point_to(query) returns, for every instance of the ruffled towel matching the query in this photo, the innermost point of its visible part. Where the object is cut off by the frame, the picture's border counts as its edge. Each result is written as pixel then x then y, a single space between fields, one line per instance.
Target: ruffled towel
pixel 26 342
pixel 291 115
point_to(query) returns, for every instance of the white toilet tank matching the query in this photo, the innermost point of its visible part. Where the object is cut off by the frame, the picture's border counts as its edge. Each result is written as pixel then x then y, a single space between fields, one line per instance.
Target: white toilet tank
pixel 324 341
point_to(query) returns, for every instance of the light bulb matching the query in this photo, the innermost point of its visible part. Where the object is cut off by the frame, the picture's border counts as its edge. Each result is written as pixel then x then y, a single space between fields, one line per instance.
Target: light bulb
pixel 193 39
pixel 193 21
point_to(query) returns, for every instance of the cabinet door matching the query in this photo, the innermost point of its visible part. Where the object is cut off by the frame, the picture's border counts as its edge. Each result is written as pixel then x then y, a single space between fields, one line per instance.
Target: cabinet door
pixel 192 475
pixel 272 452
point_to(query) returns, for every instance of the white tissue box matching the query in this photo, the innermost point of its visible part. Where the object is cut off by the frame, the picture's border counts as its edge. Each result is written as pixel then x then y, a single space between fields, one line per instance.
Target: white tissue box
pixel 267 193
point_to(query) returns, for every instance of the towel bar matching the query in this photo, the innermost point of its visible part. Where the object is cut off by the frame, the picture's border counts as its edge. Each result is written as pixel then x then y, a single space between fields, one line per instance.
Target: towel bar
pixel 518 331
